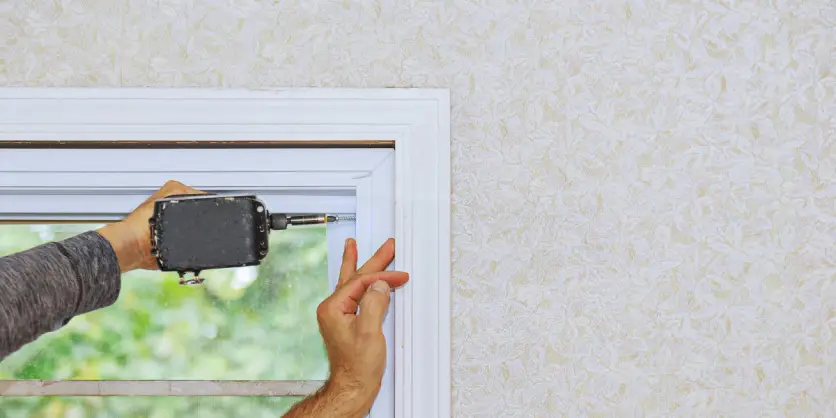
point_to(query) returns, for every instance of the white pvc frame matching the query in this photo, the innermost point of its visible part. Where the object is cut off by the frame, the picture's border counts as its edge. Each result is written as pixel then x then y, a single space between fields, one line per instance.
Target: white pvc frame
pixel 416 120
pixel 106 184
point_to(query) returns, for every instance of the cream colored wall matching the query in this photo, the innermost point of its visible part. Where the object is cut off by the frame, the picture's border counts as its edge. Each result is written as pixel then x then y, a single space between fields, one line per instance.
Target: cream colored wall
pixel 644 210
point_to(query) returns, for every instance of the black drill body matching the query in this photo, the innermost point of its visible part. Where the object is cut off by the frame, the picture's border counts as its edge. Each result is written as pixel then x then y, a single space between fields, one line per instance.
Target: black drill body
pixel 192 233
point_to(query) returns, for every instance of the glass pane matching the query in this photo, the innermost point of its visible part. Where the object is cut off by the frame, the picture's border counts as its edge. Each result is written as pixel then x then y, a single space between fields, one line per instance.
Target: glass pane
pixel 256 323
pixel 145 407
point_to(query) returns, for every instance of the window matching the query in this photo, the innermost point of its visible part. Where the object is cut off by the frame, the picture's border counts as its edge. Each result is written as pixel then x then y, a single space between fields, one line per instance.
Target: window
pixel 255 326
pixel 71 159
pixel 250 323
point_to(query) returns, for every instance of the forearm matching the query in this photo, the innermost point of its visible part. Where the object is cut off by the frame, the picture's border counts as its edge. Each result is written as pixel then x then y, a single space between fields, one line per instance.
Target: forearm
pixel 43 288
pixel 331 401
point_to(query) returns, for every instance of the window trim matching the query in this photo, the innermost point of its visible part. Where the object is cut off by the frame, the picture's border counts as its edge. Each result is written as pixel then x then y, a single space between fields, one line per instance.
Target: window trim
pixel 105 185
pixel 417 121
pixel 119 185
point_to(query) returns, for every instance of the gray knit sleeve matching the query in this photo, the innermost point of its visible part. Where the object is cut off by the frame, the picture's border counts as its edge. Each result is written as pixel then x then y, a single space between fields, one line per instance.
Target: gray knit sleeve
pixel 43 288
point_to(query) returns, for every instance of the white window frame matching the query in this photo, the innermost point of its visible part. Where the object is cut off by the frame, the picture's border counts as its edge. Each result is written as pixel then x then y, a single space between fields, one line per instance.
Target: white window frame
pixel 106 184
pixel 414 121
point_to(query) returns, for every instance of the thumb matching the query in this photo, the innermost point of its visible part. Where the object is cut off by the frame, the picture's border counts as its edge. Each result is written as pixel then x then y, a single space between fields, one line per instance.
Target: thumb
pixel 373 308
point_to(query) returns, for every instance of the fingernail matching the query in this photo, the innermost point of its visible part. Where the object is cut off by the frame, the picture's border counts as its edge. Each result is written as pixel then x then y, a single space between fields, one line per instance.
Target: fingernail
pixel 380 286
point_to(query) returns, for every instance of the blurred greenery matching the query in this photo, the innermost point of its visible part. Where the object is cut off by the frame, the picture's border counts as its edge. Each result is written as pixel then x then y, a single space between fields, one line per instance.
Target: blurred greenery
pixel 252 323
pixel 146 407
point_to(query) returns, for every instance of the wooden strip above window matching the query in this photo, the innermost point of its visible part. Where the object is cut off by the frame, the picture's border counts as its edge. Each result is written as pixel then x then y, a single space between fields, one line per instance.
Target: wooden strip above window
pixel 194 144
pixel 54 221
pixel 159 387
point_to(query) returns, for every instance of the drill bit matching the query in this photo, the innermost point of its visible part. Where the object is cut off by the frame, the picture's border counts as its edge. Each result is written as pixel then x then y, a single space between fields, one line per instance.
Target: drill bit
pixel 279 221
pixel 319 219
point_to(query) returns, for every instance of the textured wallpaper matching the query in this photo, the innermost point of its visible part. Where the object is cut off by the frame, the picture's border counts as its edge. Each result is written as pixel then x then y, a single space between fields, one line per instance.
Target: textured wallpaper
pixel 644 208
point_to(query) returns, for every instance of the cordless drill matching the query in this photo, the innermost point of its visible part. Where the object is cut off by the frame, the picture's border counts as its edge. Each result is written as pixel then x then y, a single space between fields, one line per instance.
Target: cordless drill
pixel 192 233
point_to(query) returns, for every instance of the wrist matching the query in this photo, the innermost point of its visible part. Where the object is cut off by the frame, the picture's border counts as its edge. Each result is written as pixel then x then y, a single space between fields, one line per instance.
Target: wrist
pixel 128 253
pixel 354 398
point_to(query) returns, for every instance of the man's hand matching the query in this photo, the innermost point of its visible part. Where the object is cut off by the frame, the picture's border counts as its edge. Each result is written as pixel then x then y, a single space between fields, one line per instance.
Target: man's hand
pixel 355 343
pixel 131 237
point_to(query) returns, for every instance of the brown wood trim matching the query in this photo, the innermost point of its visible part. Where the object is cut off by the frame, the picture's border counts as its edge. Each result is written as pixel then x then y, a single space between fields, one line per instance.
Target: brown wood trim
pixel 193 144
pixel 159 387
pixel 54 221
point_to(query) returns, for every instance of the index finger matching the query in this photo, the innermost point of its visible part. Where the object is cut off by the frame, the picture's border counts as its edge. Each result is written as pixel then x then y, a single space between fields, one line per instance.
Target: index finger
pixel 381 258
pixel 349 265
pixel 348 297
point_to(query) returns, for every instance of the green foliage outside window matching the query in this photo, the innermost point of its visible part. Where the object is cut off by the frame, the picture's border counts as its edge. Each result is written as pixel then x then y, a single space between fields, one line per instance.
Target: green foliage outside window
pixel 255 323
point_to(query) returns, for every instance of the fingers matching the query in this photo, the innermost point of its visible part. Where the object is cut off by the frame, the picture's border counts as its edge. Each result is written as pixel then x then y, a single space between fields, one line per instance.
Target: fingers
pixel 378 262
pixel 170 187
pixel 349 266
pixel 173 187
pixel 346 299
pixel 381 258
pixel 373 308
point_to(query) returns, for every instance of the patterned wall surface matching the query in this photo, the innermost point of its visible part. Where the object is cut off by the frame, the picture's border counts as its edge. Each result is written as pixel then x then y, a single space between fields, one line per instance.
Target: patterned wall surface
pixel 644 209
